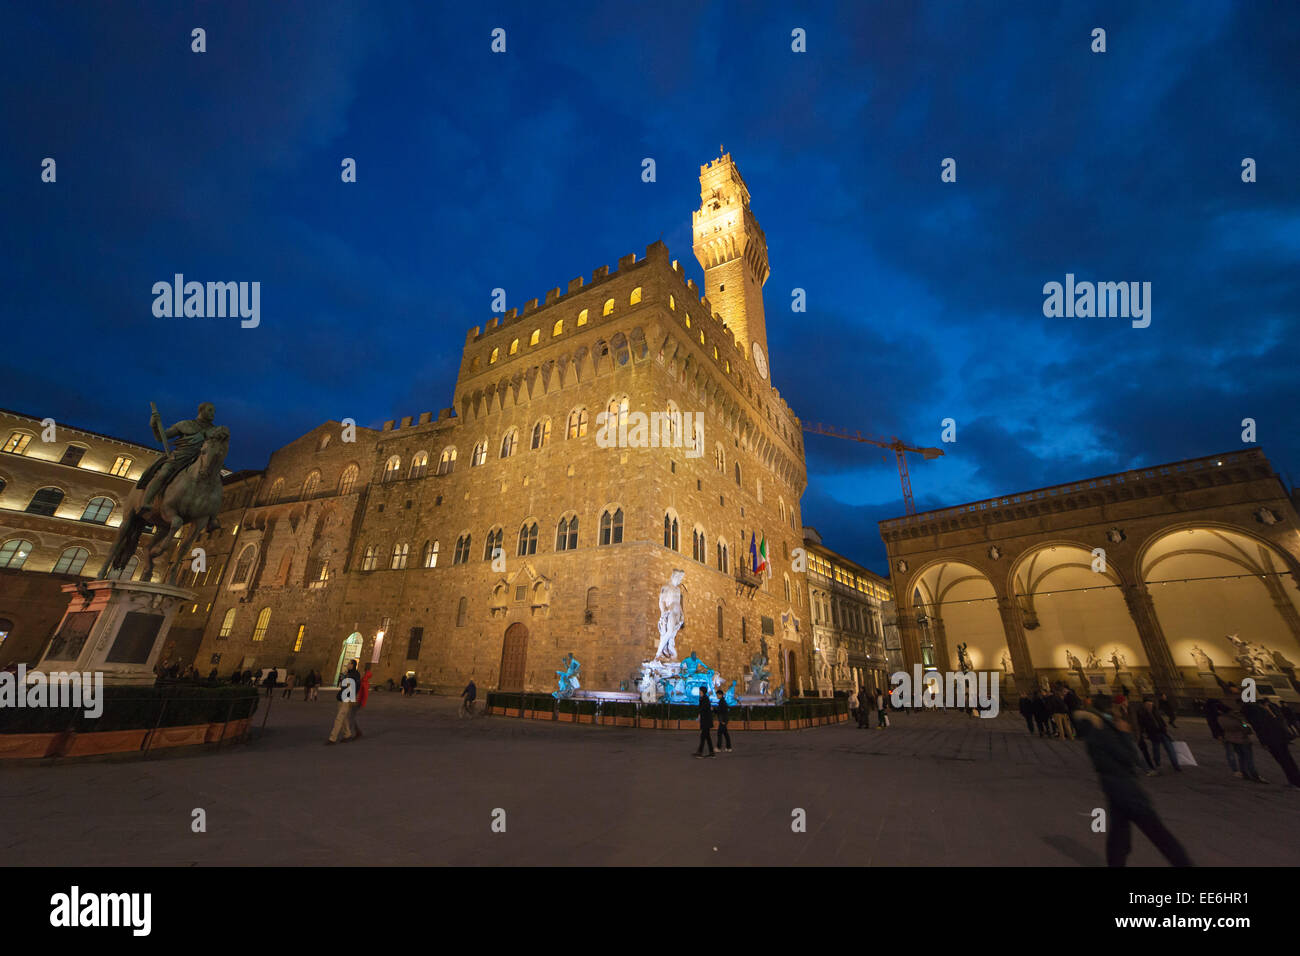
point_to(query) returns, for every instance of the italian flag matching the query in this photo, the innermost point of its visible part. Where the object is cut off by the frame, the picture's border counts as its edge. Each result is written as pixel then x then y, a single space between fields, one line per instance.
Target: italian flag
pixel 762 556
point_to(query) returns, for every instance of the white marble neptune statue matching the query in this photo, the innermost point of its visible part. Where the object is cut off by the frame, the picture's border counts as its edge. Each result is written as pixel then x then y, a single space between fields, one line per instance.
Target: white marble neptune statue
pixel 671 618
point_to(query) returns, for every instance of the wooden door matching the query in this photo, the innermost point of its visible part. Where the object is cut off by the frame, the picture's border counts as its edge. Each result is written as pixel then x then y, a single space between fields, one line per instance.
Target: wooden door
pixel 514 658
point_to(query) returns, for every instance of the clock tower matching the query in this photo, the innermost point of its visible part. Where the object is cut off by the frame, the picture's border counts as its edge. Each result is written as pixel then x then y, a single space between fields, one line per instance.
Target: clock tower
pixel 733 251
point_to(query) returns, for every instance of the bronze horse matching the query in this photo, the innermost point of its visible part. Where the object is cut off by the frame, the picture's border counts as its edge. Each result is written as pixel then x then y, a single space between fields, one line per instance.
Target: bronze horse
pixel 193 497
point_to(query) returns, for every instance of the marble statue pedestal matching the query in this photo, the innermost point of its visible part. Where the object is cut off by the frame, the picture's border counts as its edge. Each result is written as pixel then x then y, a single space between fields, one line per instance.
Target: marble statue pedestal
pixel 1097 682
pixel 1276 685
pixel 116 628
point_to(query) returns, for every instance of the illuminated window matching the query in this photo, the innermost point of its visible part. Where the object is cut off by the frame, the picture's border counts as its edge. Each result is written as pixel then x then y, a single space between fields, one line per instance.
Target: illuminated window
pixel 514 346
pixel 263 621
pixel 71 561
pixel 528 539
pixel 126 572
pixel 121 466
pixel 297 641
pixel 479 456
pixel 400 553
pixel 672 303
pixel 701 336
pixel 496 353
pixel 392 469
pixel 582 317
pixel 616 412
pixel 431 554
pixel 688 320
pixel 609 307
pixel 420 465
pixel 368 562
pixel 670 532
pixel 461 554
pixel 535 337
pixel 557 328
pixel 311 485
pixel 493 544
pixel 348 479
pixel 636 296
pixel 541 434
pixel 577 423
pixel 611 527
pixel 14 553
pixel 17 443
pixel 447 461
pixel 98 510
pixel 227 623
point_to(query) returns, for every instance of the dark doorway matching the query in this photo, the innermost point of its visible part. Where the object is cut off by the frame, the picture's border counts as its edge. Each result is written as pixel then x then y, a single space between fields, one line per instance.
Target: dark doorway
pixel 514 658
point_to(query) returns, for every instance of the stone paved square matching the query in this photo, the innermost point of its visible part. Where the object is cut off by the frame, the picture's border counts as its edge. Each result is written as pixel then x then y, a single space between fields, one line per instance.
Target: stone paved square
pixel 419 788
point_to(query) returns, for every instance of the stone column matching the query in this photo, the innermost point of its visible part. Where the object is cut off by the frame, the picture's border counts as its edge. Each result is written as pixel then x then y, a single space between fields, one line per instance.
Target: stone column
pixel 1142 609
pixel 1021 662
pixel 909 635
pixel 941 658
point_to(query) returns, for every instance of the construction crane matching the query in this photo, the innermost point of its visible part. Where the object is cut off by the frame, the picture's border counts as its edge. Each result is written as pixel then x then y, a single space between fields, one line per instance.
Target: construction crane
pixel 897 446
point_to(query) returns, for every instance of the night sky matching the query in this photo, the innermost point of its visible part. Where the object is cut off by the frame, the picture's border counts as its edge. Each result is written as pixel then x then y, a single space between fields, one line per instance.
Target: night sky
pixel 523 170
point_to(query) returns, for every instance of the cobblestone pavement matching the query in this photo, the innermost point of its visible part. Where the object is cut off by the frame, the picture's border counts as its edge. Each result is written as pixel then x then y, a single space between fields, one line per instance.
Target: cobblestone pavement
pixel 421 786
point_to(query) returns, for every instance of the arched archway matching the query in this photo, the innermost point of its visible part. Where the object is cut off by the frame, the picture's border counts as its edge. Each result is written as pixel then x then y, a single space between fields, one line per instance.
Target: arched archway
pixel 954 603
pixel 1072 608
pixel 514 658
pixel 1209 580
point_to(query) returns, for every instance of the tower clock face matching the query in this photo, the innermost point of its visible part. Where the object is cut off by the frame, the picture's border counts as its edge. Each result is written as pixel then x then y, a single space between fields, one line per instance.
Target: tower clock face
pixel 760 361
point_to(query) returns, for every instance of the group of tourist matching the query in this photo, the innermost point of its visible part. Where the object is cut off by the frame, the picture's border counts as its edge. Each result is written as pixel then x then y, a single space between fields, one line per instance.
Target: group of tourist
pixel 1234 722
pixel 706 725
pixel 866 702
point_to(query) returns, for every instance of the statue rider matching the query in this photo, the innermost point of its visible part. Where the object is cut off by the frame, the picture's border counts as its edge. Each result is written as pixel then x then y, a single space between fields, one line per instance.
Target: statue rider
pixel 190 436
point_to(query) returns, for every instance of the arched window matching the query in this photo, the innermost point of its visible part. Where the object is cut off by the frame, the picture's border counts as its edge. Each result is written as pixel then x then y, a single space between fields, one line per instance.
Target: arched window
pixel 557 328
pixel 787 588
pixel 535 337
pixel 447 461
pixel 127 572
pixel 582 318
pixel 371 559
pixel 577 423
pixel 566 534
pixel 636 296
pixel 277 490
pixel 461 554
pixel 348 479
pixel 462 612
pixel 311 485
pixel 400 553
pixel 227 623
pixel 263 621
pixel 496 353
pixel 672 429
pixel 509 442
pixel 98 510
pixel 14 553
pixel 420 465
pixel 616 414
pixel 719 622
pixel 392 469
pixel 480 455
pixel 492 544
pixel 698 550
pixel 324 442
pixel 514 346
pixel 541 433
pixel 528 539
pixel 672 303
pixel 719 457
pixel 670 532
pixel 611 527
pixel 71 561
pixel 431 554
pixel 593 602
pixel 244 565
pixel 737 473
pixel 609 307
pixel 688 320
pixel 45 502
pixel 759 491
pixel 724 557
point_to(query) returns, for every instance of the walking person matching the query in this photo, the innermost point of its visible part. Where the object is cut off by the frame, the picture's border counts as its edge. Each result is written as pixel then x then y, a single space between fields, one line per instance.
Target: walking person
pixel 269 681
pixel 1167 708
pixel 1153 728
pixel 467 699
pixel 1027 711
pixel 1213 711
pixel 1060 716
pixel 1236 734
pixel 1127 712
pixel 723 712
pixel 706 724
pixel 289 681
pixel 349 687
pixel 1041 714
pixel 864 709
pixel 1273 735
pixel 882 715
pixel 363 695
pixel 1111 749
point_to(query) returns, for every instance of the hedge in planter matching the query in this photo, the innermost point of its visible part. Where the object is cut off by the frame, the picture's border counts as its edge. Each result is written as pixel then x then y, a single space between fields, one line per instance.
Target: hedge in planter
pixel 135 708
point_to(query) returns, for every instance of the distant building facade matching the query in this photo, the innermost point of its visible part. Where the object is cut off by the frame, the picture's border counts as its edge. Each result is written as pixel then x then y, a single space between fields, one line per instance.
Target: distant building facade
pixel 846 608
